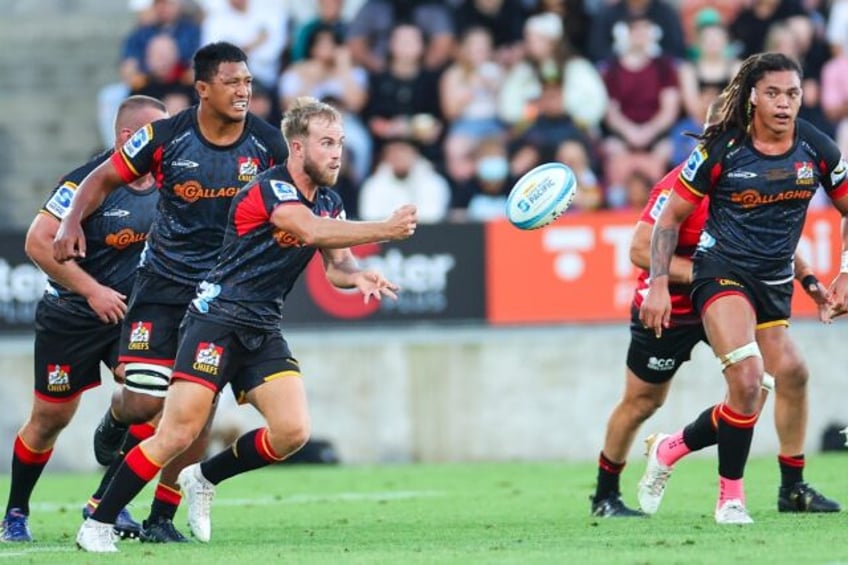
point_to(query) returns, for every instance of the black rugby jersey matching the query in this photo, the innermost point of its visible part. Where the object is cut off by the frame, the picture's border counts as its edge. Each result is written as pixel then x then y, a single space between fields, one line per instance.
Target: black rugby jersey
pixel 758 203
pixel 259 263
pixel 197 182
pixel 114 235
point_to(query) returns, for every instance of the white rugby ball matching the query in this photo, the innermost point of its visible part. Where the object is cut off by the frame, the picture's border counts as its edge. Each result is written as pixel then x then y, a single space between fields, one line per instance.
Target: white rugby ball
pixel 541 195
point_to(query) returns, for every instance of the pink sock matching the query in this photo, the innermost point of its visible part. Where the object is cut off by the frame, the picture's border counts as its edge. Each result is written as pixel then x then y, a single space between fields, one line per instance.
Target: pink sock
pixel 729 489
pixel 672 449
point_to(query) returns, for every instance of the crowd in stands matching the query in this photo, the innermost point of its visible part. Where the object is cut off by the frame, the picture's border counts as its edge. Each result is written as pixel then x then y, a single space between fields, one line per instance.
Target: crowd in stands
pixel 447 102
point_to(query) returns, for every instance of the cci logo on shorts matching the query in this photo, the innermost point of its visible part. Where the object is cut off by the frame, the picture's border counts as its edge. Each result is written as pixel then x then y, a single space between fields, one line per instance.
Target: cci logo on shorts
pixel 657 364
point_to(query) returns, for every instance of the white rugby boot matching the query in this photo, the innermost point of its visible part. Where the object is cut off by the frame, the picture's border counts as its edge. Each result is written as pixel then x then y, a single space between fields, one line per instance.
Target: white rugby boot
pixel 96 537
pixel 653 481
pixel 199 493
pixel 732 511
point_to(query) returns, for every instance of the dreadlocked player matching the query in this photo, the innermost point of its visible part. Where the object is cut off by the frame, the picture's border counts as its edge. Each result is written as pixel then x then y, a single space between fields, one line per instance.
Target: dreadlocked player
pixel 760 166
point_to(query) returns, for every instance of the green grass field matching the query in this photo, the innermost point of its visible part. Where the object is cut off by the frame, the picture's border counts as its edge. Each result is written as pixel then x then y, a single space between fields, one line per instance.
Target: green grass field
pixel 468 513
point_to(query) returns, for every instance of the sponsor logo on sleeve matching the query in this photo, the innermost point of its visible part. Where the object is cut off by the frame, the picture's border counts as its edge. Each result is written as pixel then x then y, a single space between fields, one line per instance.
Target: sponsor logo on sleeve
pixel 658 205
pixel 138 141
pixel 60 202
pixel 837 176
pixel 696 159
pixel 284 191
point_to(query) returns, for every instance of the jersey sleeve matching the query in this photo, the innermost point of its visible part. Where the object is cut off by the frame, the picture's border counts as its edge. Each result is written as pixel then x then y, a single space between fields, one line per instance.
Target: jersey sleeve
pixel 833 167
pixel 62 196
pixel 659 195
pixel 142 152
pixel 700 172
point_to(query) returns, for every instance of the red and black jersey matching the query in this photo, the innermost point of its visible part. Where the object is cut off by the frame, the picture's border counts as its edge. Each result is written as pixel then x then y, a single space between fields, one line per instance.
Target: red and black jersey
pixel 758 203
pixel 197 181
pixel 682 311
pixel 115 234
pixel 259 263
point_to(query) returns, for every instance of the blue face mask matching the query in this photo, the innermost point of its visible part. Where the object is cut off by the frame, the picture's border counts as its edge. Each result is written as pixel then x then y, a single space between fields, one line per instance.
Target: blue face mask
pixel 492 168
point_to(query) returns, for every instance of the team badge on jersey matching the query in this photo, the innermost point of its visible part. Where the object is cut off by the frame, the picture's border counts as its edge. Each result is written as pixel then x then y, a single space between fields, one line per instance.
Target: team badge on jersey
pixel 248 167
pixel 284 191
pixel 60 202
pixel 804 174
pixel 207 357
pixel 58 378
pixel 140 336
pixel 138 141
pixel 696 159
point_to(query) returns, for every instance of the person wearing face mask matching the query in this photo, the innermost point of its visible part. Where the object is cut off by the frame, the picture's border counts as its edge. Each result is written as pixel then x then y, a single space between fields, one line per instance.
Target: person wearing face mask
pixel 491 183
pixel 404 176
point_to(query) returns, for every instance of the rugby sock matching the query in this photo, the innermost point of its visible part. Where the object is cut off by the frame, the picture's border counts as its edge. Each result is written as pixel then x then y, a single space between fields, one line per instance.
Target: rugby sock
pixel 729 489
pixel 791 469
pixel 134 473
pixel 735 432
pixel 702 432
pixel 609 473
pixel 250 451
pixel 137 434
pixel 27 465
pixel 166 500
pixel 672 449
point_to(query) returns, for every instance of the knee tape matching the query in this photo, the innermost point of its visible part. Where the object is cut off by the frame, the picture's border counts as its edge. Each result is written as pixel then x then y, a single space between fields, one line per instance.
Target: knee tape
pixel 147 378
pixel 740 353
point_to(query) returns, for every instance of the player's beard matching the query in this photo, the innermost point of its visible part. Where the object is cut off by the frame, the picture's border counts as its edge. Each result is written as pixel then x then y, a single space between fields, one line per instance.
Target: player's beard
pixel 318 176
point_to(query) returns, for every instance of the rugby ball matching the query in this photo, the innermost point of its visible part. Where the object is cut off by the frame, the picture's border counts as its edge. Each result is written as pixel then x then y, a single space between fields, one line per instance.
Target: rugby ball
pixel 541 195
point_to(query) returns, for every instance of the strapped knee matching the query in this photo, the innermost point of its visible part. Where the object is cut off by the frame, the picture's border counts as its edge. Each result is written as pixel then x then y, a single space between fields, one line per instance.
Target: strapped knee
pixel 147 378
pixel 748 350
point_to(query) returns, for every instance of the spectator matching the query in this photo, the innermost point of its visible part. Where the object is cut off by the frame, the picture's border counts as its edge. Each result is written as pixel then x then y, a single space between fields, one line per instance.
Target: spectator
pixel 590 194
pixel 644 105
pixel 370 31
pixel 551 69
pixel 483 196
pixel 610 24
pixel 503 18
pixel 575 21
pixel 469 87
pixel 834 98
pixel 164 17
pixel 793 37
pixel 257 27
pixel 164 78
pixel 404 176
pixel 328 74
pixel 459 167
pixel 751 26
pixel 690 11
pixel 329 13
pixel 404 99
pixel 837 27
pixel 709 70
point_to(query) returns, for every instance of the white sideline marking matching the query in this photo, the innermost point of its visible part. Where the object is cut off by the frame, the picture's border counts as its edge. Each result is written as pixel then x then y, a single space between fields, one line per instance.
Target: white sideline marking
pixel 291 499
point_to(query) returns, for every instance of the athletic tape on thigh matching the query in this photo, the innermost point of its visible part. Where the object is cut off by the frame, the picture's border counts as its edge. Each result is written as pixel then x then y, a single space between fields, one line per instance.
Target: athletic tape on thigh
pixel 740 353
pixel 147 378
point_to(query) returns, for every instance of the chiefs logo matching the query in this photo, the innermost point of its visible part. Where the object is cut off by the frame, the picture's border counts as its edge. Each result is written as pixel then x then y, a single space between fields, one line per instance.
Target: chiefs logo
pixel 124 238
pixel 191 191
pixel 285 239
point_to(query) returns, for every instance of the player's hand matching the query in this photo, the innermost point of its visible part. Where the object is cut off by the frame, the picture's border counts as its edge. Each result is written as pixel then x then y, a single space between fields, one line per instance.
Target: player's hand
pixel 373 284
pixel 402 223
pixel 109 304
pixel 69 242
pixel 839 293
pixel 655 312
pixel 820 295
